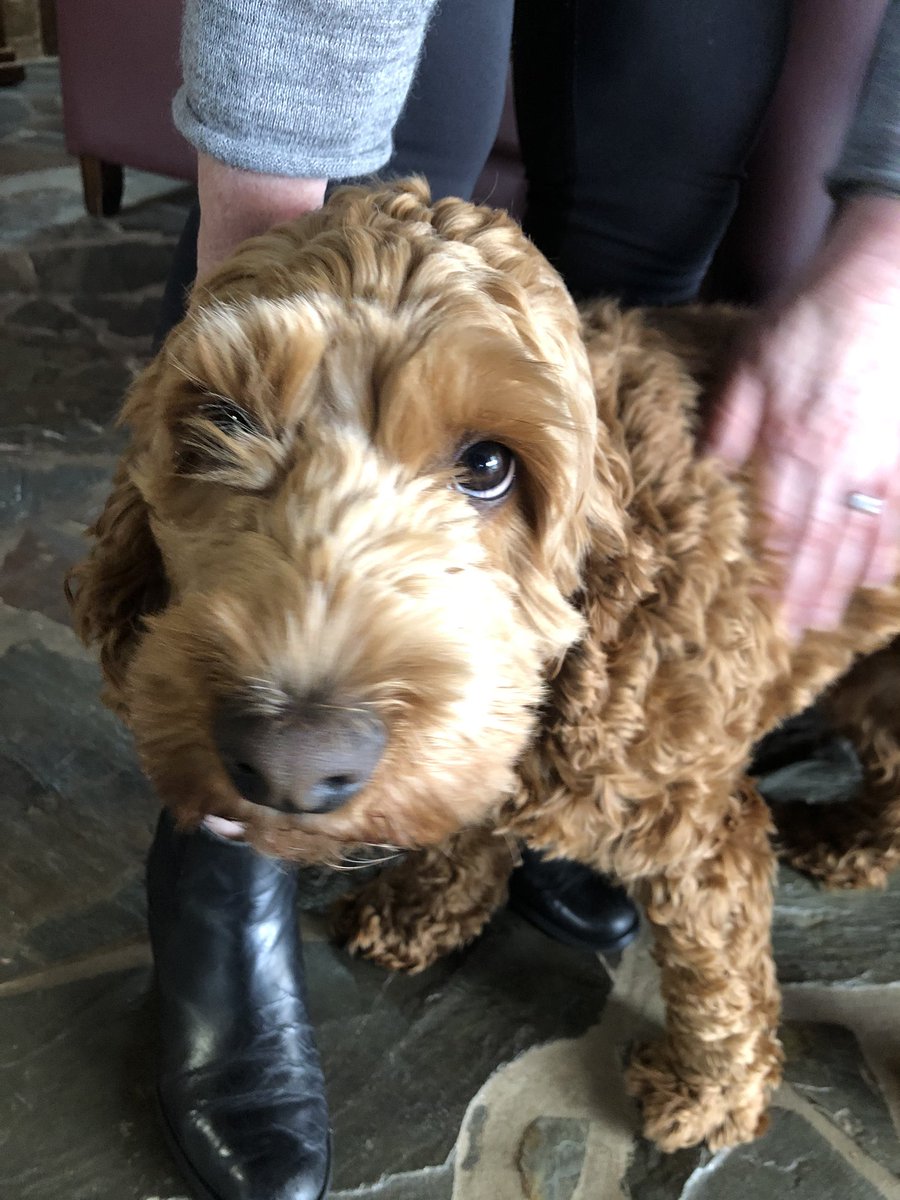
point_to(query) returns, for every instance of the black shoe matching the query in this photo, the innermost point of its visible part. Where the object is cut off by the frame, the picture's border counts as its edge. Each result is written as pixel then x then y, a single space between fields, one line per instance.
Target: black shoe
pixel 572 903
pixel 240 1086
pixel 805 761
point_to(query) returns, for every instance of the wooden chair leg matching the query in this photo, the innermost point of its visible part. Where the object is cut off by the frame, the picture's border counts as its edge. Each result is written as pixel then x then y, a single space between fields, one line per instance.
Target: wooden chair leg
pixel 102 186
pixel 10 70
pixel 49 40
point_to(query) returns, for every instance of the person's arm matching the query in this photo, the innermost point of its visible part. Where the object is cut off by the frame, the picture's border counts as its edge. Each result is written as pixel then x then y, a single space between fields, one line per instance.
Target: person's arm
pixel 281 96
pixel 812 397
pixel 237 204
pixel 870 159
pixel 813 400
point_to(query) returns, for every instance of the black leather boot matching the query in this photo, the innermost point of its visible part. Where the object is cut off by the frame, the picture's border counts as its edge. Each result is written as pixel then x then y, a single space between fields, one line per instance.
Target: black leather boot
pixel 240 1085
pixel 572 903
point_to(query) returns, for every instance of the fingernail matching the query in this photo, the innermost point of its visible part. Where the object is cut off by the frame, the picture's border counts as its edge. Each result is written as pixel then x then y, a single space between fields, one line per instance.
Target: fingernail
pixel 825 620
pixel 795 628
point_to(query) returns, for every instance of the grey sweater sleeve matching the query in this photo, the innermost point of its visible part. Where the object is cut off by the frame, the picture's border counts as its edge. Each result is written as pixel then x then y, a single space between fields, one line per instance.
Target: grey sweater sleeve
pixel 871 156
pixel 298 87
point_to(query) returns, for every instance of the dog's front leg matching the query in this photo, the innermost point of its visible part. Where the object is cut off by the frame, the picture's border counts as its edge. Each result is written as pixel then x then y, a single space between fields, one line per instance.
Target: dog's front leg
pixel 433 902
pixel 710 1077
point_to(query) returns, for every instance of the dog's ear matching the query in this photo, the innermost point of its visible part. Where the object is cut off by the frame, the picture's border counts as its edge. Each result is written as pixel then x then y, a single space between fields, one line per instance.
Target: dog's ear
pixel 120 582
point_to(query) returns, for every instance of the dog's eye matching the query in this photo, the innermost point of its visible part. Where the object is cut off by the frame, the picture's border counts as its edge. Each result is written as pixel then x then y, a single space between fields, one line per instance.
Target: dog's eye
pixel 485 471
pixel 229 417
pixel 220 440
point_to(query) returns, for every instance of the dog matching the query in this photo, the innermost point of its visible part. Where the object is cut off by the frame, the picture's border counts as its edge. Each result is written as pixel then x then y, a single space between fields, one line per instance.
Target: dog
pixel 406 552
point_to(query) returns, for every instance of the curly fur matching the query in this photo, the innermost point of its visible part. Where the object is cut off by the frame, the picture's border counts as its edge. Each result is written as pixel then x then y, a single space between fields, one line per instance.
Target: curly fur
pixel 584 666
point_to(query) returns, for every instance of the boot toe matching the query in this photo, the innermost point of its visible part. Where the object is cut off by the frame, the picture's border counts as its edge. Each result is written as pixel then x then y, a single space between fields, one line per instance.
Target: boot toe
pixel 250 1148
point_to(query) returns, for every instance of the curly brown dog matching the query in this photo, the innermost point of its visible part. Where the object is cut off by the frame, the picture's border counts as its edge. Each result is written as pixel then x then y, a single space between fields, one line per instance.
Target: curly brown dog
pixel 406 552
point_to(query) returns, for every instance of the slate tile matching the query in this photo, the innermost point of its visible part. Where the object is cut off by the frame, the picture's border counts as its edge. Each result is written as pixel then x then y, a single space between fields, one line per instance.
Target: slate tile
pixel 836 937
pixel 166 216
pixel 26 213
pixel 825 1065
pixel 31 574
pixel 76 1108
pixel 551 1157
pixel 416 1049
pixel 64 400
pixel 17 272
pixel 126 316
pixel 62 493
pixel 403 1056
pixel 76 813
pixel 791 1159
pixel 431 1184
pixel 45 316
pixel 97 268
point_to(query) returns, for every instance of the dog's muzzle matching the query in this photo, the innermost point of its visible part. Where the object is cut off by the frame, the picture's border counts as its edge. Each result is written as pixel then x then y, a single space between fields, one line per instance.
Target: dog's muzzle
pixel 312 758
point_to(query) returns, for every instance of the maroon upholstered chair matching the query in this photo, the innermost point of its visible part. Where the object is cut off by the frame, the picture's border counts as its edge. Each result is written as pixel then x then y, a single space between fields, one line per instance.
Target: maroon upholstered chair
pixel 119 69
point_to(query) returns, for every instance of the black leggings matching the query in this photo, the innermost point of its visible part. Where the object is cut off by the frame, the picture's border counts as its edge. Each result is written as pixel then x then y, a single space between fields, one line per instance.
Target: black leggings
pixel 635 117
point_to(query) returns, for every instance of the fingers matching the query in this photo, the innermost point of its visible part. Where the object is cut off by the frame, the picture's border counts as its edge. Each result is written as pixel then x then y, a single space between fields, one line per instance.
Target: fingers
pixel 736 426
pixel 853 547
pixel 800 534
pixel 809 402
pixel 882 567
pixel 807 472
pixel 831 551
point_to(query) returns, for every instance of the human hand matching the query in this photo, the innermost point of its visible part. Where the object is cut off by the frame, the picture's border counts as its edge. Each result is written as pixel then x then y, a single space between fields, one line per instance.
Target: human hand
pixel 236 204
pixel 813 402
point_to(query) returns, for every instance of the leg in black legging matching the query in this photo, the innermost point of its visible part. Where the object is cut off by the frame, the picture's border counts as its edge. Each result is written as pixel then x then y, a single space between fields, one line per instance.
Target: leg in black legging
pixel 181 278
pixel 453 109
pixel 636 118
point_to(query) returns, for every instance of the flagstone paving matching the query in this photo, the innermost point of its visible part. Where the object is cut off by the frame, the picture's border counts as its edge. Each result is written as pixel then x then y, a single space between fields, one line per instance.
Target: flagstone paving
pixel 494 1076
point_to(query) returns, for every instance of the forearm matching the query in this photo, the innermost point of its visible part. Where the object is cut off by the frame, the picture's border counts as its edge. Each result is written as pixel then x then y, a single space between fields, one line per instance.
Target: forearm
pixel 862 249
pixel 237 204
pixel 304 88
pixel 871 156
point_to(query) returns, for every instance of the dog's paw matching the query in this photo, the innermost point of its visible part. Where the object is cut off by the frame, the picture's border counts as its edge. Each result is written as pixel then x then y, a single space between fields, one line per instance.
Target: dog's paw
pixel 854 869
pixel 680 1111
pixel 431 904
pixel 374 931
pixel 834 847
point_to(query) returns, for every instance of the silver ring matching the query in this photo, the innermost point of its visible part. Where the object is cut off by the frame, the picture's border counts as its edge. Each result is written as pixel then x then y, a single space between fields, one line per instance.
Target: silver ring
pixel 861 502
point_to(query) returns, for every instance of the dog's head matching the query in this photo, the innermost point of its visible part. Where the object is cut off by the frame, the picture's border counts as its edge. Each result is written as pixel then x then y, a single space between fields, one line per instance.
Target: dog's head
pixel 339 561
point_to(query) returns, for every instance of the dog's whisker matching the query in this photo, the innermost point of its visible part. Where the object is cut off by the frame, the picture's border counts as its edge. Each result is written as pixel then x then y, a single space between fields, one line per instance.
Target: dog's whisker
pixel 361 710
pixel 374 859
pixel 512 846
pixel 353 864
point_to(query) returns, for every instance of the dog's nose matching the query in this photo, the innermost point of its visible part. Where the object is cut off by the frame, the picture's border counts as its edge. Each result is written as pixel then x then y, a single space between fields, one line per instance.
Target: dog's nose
pixel 313 759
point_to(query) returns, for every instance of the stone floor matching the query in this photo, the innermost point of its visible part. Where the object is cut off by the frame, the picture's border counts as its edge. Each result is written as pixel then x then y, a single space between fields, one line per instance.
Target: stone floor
pixel 494 1076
